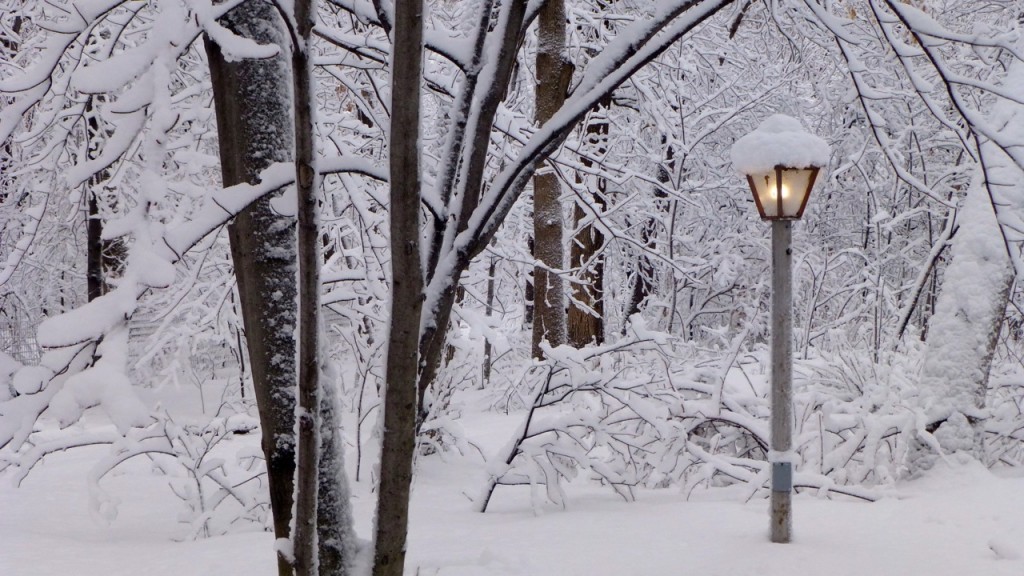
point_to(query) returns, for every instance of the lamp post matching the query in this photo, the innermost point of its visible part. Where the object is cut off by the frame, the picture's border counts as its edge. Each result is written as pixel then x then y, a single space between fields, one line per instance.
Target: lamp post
pixel 781 162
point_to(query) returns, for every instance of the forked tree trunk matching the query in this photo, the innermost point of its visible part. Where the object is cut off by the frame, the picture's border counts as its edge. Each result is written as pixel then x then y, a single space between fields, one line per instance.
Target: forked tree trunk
pixel 254 122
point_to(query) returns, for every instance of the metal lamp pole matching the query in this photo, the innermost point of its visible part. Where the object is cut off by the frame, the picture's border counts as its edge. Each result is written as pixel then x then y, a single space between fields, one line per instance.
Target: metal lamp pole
pixel 782 381
pixel 781 193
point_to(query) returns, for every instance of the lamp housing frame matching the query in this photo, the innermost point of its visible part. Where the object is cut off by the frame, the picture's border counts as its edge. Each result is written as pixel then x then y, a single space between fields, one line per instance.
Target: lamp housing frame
pixel 780 170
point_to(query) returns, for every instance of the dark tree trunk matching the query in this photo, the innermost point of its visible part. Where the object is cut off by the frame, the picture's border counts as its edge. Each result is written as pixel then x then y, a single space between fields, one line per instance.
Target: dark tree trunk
pixel 307 520
pixel 528 291
pixel 93 248
pixel 554 73
pixel 485 373
pixel 254 122
pixel 103 257
pixel 643 274
pixel 402 364
pixel 586 310
pixel 94 225
pixel 8 50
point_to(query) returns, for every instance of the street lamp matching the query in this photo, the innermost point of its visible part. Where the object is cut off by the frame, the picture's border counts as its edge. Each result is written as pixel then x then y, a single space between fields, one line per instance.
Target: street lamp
pixel 781 162
pixel 782 192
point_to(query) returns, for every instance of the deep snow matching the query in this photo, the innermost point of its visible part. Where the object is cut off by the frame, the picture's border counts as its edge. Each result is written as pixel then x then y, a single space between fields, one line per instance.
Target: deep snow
pixel 959 520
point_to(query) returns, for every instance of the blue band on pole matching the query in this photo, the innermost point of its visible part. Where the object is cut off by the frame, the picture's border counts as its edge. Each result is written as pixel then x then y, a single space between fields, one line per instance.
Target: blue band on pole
pixel 782 477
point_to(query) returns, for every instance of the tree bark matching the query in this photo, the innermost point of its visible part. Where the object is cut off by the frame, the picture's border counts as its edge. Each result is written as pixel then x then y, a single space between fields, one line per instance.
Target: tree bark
pixel 9 46
pixel 586 310
pixel 554 73
pixel 474 145
pixel 485 372
pixel 335 535
pixel 643 275
pixel 307 521
pixel 94 225
pixel 402 364
pixel 103 257
pixel 252 99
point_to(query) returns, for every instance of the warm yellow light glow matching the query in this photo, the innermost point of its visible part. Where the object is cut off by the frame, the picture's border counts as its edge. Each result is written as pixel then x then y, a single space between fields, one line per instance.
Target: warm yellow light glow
pixel 781 193
pixel 772 188
pixel 772 191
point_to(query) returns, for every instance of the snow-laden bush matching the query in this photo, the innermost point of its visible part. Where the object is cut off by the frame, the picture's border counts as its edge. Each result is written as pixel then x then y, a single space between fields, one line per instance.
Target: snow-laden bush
pixel 221 484
pixel 656 411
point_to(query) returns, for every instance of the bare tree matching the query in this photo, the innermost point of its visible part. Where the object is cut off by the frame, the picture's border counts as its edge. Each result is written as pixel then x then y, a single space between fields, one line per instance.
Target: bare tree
pixel 467 212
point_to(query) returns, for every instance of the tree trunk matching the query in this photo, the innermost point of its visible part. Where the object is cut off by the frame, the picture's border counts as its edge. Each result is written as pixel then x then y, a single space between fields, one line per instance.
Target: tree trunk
pixel 963 332
pixel 553 76
pixel 103 257
pixel 95 287
pixel 335 535
pixel 586 310
pixel 308 523
pixel 473 146
pixel 9 46
pixel 528 292
pixel 402 364
pixel 485 372
pixel 643 274
pixel 254 122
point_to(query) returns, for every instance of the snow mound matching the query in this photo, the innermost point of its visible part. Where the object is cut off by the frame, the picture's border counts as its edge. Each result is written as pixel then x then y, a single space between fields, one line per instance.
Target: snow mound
pixel 779 140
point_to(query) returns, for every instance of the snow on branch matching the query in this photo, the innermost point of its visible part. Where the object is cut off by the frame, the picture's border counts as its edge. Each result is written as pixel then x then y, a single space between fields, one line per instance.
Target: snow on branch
pixel 223 205
pixel 444 43
pixel 638 45
pixel 931 37
pixel 655 420
pixel 233 46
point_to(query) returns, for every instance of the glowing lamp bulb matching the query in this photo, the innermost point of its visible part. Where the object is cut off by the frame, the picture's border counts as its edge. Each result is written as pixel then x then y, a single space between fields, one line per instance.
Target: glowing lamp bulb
pixel 773 188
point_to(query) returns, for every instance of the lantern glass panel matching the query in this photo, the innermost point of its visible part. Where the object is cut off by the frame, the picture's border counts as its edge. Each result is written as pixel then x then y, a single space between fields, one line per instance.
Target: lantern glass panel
pixel 796 185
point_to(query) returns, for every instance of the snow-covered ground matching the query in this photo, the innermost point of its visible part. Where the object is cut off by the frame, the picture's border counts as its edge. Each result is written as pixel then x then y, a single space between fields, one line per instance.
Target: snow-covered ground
pixel 959 520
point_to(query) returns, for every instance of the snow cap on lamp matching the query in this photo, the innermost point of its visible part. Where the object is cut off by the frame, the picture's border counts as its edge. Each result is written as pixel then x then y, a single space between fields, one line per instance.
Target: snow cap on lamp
pixel 781 162
pixel 780 140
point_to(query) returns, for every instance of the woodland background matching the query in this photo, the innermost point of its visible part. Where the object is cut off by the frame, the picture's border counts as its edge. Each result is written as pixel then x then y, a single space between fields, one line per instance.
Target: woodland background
pixel 409 214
